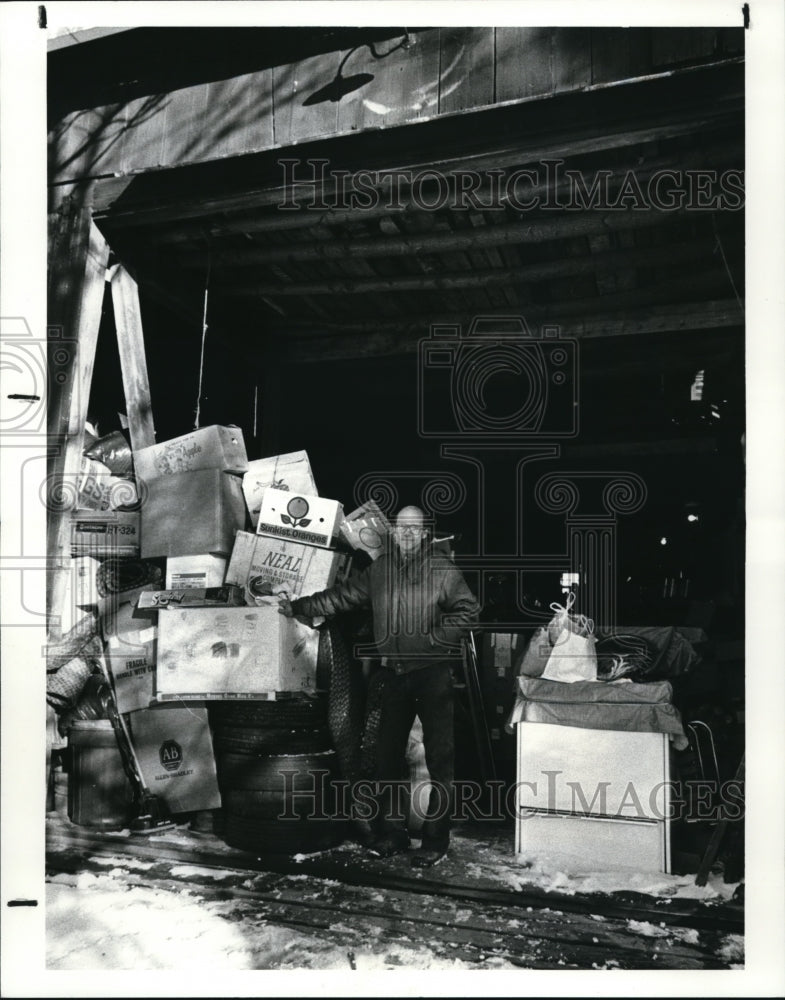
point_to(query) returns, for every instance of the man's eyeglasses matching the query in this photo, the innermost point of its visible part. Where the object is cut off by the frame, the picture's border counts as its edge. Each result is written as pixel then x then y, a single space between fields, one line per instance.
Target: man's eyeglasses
pixel 409 529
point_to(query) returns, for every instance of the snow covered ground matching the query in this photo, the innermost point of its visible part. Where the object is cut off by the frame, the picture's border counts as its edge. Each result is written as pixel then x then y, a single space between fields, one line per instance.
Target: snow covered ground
pixel 162 929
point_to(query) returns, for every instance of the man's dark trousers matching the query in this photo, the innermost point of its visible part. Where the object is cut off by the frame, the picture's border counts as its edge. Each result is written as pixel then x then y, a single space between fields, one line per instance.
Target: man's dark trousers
pixel 423 688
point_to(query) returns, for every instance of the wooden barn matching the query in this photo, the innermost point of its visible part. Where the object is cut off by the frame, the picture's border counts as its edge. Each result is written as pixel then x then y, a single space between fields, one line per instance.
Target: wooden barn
pixel 493 272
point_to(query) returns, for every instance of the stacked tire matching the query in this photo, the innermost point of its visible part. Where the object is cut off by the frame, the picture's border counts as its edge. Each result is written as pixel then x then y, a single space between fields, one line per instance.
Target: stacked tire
pixel 277 772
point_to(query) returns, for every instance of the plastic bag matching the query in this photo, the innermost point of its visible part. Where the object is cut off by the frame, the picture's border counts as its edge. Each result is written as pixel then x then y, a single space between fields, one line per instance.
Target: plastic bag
pixel 114 451
pixel 536 655
pixel 573 656
pixel 625 655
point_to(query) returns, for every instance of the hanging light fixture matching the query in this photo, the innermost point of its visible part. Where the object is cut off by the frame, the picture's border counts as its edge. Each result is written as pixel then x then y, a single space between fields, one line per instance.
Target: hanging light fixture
pixel 342 85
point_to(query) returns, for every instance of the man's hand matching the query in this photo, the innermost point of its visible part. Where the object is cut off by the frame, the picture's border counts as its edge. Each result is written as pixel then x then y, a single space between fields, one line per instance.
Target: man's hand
pixel 285 608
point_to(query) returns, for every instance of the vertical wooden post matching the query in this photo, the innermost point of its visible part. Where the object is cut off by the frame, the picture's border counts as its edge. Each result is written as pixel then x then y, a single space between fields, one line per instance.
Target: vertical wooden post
pixel 77 271
pixel 130 342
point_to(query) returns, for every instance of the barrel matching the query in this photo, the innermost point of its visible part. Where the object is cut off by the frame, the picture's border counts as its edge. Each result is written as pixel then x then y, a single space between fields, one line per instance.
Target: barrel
pixel 99 792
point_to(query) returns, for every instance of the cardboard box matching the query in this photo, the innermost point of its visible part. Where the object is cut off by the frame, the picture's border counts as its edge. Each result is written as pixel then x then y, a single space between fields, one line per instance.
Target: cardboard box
pixel 192 513
pixel 81 586
pixel 195 572
pixel 209 653
pixel 208 448
pixel 130 636
pixel 175 751
pixel 94 483
pixel 367 529
pixel 291 472
pixel 121 493
pixel 301 517
pixel 283 566
pixel 81 592
pixel 105 534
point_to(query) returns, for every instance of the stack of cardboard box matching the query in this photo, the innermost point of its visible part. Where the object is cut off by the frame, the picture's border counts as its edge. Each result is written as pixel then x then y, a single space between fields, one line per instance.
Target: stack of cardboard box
pixel 201 494
pixel 235 536
pixel 191 501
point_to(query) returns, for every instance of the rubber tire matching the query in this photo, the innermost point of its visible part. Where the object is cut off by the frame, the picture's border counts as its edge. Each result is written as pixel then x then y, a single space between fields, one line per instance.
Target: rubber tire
pixel 264 804
pixel 286 838
pixel 248 740
pixel 286 713
pixel 262 772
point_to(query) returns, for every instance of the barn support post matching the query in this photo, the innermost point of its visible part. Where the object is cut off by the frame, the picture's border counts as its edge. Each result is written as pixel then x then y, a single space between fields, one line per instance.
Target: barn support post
pixel 77 271
pixel 133 364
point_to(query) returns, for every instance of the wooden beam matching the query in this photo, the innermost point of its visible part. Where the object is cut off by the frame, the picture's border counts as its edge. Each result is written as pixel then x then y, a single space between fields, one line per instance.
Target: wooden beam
pixel 658 256
pixel 78 258
pixel 381 339
pixel 712 156
pixel 133 363
pixel 567 225
pixel 572 142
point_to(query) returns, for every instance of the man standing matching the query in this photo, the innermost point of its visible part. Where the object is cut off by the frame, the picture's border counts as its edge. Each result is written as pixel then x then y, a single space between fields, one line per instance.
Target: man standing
pixel 422 608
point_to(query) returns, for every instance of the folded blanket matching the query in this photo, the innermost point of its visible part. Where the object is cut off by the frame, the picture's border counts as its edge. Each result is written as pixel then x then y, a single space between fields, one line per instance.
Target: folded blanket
pixel 621 705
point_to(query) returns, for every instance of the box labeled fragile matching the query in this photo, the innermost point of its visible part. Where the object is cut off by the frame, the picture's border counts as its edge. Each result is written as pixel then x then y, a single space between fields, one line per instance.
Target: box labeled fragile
pixel 266 564
pixel 290 472
pixel 208 653
pixel 174 748
pixel 130 635
pixel 105 534
pixel 192 513
pixel 304 518
pixel 367 529
pixel 208 448
pixel 195 572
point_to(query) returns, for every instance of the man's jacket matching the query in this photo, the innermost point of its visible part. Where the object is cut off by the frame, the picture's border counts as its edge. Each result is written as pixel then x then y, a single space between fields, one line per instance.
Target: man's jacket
pixel 421 607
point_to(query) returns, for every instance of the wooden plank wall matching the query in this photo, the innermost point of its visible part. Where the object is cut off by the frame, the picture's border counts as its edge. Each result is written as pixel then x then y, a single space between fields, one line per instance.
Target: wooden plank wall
pixel 443 71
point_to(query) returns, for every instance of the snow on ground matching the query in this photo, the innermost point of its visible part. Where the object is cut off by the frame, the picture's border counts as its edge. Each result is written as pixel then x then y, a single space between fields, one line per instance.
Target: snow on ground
pixel 732 950
pixel 492 859
pixel 99 922
pixel 102 922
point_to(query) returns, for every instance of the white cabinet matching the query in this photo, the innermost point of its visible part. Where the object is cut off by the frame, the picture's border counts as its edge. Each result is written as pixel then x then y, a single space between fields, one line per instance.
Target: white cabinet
pixel 599 797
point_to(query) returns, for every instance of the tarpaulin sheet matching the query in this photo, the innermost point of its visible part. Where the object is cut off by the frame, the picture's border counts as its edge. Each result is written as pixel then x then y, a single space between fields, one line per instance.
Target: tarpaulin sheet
pixel 621 705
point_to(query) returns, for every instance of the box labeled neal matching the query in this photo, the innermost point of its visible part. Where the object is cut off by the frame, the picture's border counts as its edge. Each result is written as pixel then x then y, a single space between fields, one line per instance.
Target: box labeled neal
pixel 267 564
